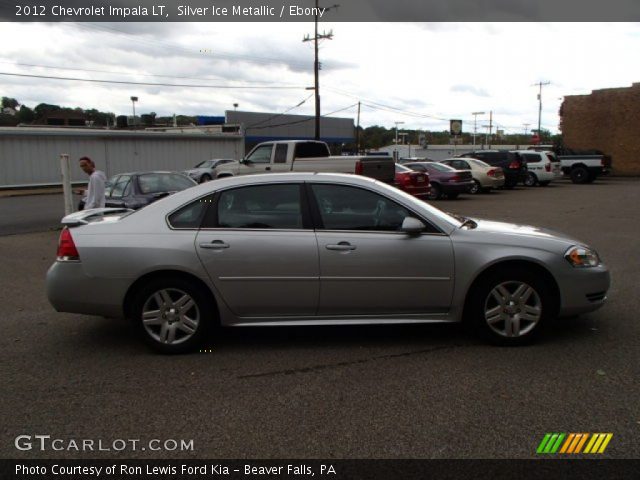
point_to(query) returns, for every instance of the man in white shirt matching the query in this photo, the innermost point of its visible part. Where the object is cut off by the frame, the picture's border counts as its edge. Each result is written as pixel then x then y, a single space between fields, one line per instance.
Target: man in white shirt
pixel 94 194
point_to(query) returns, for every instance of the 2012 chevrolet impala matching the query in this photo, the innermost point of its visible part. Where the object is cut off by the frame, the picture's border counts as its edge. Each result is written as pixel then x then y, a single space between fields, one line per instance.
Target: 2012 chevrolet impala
pixel 315 249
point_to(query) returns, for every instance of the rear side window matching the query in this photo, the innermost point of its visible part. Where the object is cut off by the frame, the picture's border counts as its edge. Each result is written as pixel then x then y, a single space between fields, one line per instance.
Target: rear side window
pixel 163 182
pixel 531 157
pixel 281 153
pixel 261 206
pixel 120 186
pixel 191 215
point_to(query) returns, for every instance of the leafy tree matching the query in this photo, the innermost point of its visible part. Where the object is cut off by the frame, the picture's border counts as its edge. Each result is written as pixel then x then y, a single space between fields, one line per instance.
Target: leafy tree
pixel 8 102
pixel 26 115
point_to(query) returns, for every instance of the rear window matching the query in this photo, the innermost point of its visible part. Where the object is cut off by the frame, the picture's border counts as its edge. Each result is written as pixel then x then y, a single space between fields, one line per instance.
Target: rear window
pixel 479 163
pixel 402 168
pixel 531 157
pixel 440 167
pixel 311 149
pixel 163 182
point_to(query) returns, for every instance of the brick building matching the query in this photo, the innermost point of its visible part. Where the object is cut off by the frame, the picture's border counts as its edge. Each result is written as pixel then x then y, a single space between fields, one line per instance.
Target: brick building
pixel 606 120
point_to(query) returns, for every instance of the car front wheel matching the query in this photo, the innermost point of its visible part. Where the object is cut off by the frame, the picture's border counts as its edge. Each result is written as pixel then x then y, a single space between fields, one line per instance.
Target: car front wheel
pixel 173 315
pixel 510 307
pixel 205 178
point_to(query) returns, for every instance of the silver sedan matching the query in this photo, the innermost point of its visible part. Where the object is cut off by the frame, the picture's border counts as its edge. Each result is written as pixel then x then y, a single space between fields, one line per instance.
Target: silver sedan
pixel 315 249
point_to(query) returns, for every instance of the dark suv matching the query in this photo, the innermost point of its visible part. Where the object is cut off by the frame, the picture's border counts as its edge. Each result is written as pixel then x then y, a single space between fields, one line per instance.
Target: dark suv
pixel 512 164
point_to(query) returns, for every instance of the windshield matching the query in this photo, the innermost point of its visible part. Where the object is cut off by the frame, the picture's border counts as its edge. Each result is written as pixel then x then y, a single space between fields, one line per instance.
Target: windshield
pixel 163 182
pixel 205 164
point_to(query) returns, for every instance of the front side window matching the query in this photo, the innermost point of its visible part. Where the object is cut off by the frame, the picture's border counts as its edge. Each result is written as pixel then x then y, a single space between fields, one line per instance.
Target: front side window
pixel 261 154
pixel 351 208
pixel 260 206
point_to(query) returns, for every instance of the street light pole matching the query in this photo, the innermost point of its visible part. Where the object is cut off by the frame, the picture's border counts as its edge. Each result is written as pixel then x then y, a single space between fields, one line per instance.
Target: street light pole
pixel 396 148
pixel 475 128
pixel 133 103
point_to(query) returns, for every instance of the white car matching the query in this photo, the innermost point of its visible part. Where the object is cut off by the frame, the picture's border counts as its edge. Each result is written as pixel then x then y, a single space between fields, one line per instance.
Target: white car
pixel 485 177
pixel 543 167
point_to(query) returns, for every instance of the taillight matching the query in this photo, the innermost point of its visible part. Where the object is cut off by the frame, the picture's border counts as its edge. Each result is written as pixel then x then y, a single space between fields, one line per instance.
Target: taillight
pixel 66 247
pixel 455 178
pixel 515 164
pixel 547 167
pixel 359 167
pixel 491 173
pixel 602 164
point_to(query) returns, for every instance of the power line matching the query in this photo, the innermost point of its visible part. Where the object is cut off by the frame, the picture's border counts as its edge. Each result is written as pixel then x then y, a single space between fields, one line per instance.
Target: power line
pixel 304 120
pixel 279 114
pixel 122 82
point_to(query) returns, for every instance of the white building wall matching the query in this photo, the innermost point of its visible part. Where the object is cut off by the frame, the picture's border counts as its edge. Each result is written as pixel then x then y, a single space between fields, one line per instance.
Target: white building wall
pixel 31 156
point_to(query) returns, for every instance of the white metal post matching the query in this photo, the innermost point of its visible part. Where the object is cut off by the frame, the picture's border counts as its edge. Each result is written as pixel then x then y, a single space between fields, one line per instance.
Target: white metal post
pixel 65 169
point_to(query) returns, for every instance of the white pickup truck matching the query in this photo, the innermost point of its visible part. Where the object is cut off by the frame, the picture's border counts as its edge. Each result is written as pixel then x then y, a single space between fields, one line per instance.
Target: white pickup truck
pixel 306 156
pixel 580 168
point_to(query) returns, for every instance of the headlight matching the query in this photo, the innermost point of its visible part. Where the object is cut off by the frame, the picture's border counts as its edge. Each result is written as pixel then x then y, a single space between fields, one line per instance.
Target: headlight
pixel 582 257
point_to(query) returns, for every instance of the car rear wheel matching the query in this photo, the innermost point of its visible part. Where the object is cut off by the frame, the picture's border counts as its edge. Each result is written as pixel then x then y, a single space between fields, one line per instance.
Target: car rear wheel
pixel 531 180
pixel 435 192
pixel 475 188
pixel 205 178
pixel 510 307
pixel 173 315
pixel 579 175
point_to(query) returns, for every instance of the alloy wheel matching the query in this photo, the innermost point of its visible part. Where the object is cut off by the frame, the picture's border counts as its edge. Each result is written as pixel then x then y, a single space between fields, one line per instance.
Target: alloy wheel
pixel 512 309
pixel 170 316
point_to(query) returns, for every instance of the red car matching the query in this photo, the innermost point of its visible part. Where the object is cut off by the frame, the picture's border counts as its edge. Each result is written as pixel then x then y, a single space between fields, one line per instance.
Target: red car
pixel 444 179
pixel 414 183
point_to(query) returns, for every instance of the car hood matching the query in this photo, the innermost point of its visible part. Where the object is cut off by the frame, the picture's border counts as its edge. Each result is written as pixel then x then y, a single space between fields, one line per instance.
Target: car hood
pixel 515 231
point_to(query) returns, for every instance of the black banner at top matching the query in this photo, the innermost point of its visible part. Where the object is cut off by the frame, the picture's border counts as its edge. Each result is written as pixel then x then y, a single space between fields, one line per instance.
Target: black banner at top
pixel 324 10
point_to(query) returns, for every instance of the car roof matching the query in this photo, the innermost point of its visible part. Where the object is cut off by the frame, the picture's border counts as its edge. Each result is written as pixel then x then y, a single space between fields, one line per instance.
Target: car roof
pixel 148 172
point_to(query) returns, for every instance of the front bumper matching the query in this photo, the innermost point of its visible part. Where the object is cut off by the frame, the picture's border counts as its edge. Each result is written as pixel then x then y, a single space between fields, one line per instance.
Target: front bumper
pixel 583 290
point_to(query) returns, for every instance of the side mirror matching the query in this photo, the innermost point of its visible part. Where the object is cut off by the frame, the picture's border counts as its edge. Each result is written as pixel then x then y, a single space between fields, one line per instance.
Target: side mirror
pixel 412 226
pixel 246 161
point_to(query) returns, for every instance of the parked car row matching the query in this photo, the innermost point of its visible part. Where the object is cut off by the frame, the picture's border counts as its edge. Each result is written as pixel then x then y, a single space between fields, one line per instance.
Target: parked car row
pixel 484 170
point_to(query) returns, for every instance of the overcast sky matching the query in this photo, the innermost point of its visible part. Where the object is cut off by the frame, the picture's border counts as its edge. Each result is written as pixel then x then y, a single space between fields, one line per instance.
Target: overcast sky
pixel 419 74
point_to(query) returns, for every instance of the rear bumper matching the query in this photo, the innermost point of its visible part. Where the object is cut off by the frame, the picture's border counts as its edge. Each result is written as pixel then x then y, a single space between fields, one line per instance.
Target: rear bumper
pixel 489 182
pixel 69 289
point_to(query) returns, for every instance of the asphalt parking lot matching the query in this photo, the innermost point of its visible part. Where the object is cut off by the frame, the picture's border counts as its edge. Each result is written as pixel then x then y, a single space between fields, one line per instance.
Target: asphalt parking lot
pixel 421 391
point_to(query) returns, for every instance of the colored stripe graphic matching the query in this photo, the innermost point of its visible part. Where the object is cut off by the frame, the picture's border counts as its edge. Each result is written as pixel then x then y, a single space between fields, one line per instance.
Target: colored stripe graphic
pixel 573 443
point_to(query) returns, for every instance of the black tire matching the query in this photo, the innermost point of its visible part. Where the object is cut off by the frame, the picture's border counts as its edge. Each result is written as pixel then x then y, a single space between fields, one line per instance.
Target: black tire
pixel 452 196
pixel 531 180
pixel 481 301
pixel 579 175
pixel 205 178
pixel 544 184
pixel 435 192
pixel 475 188
pixel 201 315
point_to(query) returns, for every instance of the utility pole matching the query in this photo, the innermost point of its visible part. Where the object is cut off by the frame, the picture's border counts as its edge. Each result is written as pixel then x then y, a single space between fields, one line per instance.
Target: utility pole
pixel 358 132
pixel 316 63
pixel 526 128
pixel 475 127
pixel 540 84
pixel 490 126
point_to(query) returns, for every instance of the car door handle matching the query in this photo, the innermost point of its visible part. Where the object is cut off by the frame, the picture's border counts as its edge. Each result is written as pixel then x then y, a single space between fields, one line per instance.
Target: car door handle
pixel 215 245
pixel 342 246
